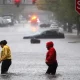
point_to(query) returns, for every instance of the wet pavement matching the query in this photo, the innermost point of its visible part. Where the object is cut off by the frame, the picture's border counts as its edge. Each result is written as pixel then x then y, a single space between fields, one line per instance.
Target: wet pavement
pixel 28 60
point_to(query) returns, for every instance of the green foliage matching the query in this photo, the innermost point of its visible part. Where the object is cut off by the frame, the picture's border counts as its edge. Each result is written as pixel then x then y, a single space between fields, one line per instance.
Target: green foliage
pixel 41 4
pixel 64 10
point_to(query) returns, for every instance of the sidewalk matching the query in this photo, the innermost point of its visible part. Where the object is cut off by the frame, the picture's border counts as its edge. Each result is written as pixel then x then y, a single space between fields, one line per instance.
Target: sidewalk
pixel 72 35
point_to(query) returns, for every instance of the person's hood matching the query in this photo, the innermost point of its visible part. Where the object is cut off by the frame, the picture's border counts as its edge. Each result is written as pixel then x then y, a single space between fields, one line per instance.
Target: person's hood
pixel 50 44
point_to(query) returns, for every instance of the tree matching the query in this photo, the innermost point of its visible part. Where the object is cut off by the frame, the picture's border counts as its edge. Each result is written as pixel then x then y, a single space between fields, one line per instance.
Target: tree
pixel 41 4
pixel 64 10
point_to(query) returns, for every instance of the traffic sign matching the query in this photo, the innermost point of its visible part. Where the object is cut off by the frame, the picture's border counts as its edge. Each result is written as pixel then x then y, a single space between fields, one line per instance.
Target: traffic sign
pixel 77 6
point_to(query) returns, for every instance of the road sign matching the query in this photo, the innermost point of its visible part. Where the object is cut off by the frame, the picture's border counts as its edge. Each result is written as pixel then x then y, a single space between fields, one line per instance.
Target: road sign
pixel 77 6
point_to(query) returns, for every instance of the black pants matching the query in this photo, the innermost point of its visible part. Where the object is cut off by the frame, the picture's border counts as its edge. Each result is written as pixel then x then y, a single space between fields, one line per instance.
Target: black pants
pixel 5 66
pixel 52 68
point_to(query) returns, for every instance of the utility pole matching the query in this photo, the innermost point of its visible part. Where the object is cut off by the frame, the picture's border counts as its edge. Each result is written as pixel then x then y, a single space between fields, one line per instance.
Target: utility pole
pixel 4 2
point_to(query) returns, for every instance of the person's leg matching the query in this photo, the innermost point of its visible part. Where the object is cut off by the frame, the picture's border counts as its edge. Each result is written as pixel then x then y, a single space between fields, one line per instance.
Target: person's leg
pixel 8 64
pixel 5 66
pixel 49 69
pixel 54 68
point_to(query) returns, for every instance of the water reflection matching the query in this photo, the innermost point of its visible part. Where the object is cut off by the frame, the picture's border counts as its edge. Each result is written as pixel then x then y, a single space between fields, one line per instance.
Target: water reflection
pixel 52 77
pixel 11 76
pixel 34 28
pixel 7 77
pixel 29 76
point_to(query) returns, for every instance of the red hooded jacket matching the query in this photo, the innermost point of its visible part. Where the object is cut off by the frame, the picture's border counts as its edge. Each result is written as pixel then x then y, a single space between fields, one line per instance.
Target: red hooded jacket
pixel 51 54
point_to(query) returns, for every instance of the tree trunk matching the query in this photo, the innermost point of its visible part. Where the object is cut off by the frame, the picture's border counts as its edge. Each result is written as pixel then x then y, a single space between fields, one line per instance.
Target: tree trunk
pixel 70 27
pixel 78 25
pixel 78 28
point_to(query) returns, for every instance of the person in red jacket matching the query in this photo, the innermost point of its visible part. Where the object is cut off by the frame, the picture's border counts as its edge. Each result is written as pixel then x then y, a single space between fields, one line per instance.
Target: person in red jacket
pixel 33 1
pixel 51 60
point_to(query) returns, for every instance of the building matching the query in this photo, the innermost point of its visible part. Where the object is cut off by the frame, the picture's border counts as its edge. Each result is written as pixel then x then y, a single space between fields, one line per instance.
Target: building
pixel 12 2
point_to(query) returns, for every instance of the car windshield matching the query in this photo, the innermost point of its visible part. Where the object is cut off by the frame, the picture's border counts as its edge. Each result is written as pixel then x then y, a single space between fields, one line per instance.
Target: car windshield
pixel 43 32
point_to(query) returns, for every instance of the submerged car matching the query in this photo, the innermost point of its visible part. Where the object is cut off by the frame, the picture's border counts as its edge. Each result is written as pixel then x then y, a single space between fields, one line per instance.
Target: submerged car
pixel 46 35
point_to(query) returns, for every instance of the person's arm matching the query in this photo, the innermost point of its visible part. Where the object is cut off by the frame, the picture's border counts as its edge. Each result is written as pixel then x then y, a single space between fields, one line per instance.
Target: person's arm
pixel 51 54
pixel 5 55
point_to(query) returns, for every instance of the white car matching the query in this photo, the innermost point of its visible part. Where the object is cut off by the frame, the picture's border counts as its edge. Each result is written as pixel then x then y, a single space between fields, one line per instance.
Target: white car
pixel 54 26
pixel 3 22
pixel 9 20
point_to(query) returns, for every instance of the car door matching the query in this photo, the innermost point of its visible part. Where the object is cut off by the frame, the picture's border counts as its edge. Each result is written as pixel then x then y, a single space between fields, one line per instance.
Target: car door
pixel 43 35
pixel 54 34
pixel 47 34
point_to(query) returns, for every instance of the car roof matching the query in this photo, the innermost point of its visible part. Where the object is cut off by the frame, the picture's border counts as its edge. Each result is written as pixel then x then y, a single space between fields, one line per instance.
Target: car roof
pixel 6 16
pixel 51 30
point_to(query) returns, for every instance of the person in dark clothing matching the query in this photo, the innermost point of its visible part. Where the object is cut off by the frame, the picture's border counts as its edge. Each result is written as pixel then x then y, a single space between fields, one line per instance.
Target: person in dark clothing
pixel 51 60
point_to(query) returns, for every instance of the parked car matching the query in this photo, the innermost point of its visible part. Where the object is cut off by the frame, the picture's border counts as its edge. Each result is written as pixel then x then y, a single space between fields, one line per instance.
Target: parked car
pixel 54 26
pixel 9 18
pixel 46 35
pixel 3 22
pixel 44 25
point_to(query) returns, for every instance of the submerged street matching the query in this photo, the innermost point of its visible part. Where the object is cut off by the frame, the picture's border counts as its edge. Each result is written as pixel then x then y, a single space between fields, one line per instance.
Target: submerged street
pixel 28 60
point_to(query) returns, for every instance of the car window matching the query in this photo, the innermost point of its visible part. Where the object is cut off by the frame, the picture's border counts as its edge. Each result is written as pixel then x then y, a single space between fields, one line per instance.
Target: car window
pixel 50 32
pixel 7 17
pixel 44 32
